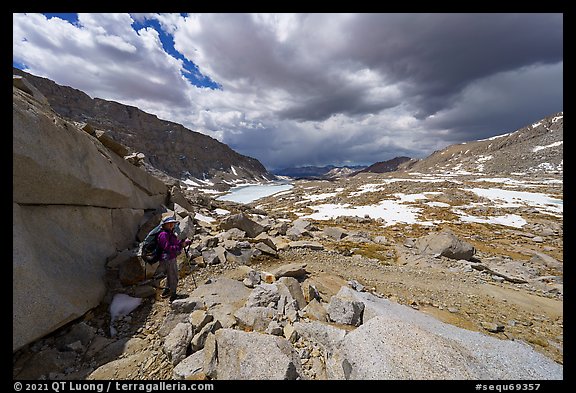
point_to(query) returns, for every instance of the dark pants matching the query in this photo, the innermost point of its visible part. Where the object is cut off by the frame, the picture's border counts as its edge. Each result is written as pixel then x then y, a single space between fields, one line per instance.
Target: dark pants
pixel 171 268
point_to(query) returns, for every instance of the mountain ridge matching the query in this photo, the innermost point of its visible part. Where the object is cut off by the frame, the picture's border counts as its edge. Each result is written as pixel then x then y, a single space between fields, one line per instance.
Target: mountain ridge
pixel 182 153
pixel 317 172
pixel 534 148
pixel 391 165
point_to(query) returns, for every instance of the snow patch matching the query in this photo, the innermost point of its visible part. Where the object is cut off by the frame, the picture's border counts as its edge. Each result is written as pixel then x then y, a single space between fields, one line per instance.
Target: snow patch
pixel 390 211
pixel 437 204
pixel 538 148
pixel 317 197
pixel 510 220
pixel 510 198
pixel 202 217
pixel 121 305
pixel 484 158
pixel 190 183
pixel 494 137
pixel 556 118
pixel 409 197
pixel 209 191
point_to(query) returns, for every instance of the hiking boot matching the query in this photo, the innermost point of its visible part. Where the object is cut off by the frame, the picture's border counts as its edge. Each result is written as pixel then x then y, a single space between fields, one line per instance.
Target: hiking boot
pixel 165 293
pixel 177 296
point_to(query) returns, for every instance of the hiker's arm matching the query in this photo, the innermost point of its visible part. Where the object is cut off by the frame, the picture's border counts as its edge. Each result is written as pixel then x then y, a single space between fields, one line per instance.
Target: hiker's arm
pixel 163 241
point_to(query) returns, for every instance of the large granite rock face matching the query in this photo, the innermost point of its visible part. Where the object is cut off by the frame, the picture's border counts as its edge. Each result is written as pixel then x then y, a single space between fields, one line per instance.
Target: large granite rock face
pixel 255 356
pixel 445 243
pixel 75 203
pixel 397 342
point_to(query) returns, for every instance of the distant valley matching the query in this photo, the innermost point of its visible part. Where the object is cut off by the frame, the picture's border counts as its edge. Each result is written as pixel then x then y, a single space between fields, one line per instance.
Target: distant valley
pixel 318 172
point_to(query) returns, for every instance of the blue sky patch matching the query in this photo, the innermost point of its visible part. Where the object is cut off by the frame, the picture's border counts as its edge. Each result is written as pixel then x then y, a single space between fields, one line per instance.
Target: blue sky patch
pixel 70 17
pixel 189 70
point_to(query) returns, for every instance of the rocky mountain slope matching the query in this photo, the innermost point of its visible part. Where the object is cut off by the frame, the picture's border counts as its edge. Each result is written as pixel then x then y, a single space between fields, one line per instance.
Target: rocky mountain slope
pixel 169 147
pixel 535 148
pixel 387 166
pixel 428 274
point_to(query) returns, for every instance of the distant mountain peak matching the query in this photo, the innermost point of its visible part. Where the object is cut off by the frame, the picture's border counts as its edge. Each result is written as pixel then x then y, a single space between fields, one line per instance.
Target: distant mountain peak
pixel 386 166
pixel 318 172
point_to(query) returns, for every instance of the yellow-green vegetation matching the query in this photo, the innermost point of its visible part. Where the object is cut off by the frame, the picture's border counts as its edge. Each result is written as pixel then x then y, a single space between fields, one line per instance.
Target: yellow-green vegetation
pixel 538 340
pixel 368 250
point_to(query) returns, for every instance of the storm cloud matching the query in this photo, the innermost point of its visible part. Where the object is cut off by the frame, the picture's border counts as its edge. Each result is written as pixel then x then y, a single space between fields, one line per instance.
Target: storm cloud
pixel 313 89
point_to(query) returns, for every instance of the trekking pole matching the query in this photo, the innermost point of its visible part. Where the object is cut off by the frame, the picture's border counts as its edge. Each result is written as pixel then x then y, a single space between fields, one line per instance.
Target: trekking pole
pixel 189 257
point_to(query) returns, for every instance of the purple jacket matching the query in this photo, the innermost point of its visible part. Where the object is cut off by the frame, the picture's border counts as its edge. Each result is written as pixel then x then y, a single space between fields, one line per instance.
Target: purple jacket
pixel 170 245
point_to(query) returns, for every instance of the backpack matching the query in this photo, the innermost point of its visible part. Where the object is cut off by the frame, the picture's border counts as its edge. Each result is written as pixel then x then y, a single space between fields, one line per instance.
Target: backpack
pixel 150 250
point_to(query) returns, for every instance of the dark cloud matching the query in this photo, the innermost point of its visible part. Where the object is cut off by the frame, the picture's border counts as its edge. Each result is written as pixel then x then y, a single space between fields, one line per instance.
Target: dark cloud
pixel 345 100
pixel 503 103
pixel 287 146
pixel 315 89
pixel 438 55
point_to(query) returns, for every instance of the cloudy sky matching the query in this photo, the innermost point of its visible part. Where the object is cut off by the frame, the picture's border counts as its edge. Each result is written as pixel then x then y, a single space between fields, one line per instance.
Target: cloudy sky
pixel 311 89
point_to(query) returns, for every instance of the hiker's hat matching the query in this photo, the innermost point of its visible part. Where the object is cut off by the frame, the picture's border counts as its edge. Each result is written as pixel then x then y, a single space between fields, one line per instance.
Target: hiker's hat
pixel 168 219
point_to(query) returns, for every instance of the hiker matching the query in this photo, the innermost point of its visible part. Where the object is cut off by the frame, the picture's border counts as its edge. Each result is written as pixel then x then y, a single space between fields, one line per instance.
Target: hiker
pixel 171 246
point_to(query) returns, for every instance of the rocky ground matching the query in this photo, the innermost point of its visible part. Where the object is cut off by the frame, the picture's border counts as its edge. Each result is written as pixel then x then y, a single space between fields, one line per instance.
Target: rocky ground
pixel 513 289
